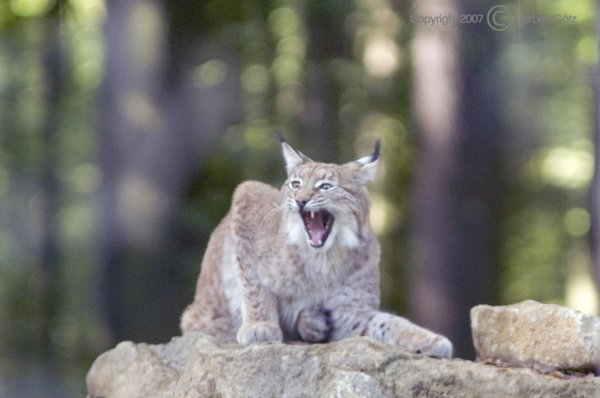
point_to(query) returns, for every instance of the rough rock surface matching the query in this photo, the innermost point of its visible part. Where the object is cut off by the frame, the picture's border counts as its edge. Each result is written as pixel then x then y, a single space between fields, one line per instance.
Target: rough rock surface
pixel 197 366
pixel 545 337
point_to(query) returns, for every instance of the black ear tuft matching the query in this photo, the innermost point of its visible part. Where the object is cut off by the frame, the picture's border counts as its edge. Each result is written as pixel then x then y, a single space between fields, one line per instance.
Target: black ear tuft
pixel 280 137
pixel 377 150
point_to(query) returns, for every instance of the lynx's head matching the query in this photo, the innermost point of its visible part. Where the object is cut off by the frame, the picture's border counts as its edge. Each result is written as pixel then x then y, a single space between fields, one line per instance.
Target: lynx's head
pixel 327 204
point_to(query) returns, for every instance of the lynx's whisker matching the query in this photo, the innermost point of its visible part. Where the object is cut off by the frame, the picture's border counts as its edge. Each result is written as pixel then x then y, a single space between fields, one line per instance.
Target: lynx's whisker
pixel 269 214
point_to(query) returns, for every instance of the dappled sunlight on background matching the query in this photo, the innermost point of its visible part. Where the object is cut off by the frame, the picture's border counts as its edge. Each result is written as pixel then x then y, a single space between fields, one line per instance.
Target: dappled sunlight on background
pixel 581 291
pixel 568 168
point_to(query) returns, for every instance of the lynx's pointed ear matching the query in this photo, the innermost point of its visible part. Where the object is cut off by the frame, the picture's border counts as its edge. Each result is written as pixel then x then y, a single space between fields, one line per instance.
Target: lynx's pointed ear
pixel 293 158
pixel 367 167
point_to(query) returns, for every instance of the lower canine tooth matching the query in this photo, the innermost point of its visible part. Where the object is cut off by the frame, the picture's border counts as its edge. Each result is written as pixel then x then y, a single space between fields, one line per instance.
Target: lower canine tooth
pixel 312 214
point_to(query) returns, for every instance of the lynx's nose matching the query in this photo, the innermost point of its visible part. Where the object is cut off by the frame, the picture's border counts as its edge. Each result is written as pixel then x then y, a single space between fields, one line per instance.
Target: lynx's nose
pixel 301 203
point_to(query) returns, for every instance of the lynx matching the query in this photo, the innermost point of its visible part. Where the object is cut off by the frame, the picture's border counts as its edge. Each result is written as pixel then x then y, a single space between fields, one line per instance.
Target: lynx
pixel 300 264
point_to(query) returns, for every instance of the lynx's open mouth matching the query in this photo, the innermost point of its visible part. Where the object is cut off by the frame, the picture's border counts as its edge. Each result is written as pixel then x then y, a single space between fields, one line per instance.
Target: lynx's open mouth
pixel 318 225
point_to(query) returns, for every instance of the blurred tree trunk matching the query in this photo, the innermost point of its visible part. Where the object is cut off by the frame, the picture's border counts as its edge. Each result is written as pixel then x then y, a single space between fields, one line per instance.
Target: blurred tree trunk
pixel 326 40
pixel 124 78
pixel 156 125
pixel 54 69
pixel 458 184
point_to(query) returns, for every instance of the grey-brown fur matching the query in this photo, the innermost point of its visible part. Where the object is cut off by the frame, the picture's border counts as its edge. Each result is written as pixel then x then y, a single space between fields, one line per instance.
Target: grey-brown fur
pixel 264 278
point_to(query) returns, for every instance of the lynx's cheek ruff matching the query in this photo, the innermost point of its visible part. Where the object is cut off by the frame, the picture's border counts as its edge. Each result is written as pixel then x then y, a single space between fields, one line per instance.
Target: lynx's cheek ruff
pixel 317 225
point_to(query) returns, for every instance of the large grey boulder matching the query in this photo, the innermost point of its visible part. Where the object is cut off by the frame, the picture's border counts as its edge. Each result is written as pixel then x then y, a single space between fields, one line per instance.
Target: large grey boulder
pixel 198 366
pixel 545 337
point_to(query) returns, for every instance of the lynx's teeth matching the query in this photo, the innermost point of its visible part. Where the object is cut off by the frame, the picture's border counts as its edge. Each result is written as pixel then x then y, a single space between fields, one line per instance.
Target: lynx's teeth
pixel 312 214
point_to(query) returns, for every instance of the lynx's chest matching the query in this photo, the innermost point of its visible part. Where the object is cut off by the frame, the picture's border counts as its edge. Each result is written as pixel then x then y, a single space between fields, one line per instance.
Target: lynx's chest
pixel 300 274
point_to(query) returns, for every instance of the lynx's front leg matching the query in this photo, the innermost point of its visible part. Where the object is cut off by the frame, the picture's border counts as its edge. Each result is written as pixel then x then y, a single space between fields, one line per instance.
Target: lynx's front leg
pixel 392 329
pixel 348 321
pixel 260 319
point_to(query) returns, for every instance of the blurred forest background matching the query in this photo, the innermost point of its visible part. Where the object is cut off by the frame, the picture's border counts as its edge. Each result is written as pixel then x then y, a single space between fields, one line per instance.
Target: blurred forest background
pixel 126 124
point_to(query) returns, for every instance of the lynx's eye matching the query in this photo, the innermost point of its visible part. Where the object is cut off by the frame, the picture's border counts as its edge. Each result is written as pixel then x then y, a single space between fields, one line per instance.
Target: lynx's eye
pixel 295 184
pixel 325 186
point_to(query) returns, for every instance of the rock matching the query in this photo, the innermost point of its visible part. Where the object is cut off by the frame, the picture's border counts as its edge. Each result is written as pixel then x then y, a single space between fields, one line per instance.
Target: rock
pixel 545 337
pixel 198 366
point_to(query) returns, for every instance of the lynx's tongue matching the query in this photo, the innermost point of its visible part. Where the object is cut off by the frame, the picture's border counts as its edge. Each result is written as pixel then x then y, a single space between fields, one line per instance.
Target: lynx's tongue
pixel 318 225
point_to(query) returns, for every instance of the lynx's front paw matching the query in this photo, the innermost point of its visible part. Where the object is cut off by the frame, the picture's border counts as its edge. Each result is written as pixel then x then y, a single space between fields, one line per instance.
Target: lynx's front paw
pixel 259 332
pixel 396 330
pixel 314 325
pixel 440 347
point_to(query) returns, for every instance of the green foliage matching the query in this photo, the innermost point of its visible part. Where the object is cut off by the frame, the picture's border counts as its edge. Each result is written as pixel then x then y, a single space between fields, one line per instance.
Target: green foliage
pixel 551 159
